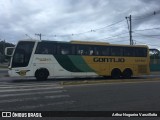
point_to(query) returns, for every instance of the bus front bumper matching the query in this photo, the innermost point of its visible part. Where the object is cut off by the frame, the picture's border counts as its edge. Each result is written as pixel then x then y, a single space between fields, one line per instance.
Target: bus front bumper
pixel 10 73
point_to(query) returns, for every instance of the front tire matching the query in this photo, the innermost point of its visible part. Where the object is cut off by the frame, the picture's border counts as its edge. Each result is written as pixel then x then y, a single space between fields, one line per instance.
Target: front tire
pixel 42 74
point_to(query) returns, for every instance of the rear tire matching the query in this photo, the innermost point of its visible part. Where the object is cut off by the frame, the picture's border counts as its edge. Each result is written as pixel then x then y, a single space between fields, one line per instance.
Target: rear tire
pixel 42 74
pixel 127 73
pixel 116 73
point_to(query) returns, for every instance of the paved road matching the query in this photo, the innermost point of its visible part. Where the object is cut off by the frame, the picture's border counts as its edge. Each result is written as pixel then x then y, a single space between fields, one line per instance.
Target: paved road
pixel 30 95
pixel 33 95
pixel 50 95
pixel 3 72
pixel 117 96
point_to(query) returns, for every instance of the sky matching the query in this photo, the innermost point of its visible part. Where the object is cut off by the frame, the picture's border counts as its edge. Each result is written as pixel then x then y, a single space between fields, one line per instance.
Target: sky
pixel 86 20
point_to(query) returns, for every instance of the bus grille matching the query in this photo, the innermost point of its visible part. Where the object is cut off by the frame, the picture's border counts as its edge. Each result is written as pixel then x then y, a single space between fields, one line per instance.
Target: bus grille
pixel 142 69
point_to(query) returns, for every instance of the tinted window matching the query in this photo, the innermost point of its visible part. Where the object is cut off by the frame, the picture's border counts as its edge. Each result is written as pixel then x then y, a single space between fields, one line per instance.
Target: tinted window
pixel 141 52
pixel 22 54
pixel 46 48
pixel 64 49
pixel 116 51
pixel 129 51
pixel 102 50
pixel 82 50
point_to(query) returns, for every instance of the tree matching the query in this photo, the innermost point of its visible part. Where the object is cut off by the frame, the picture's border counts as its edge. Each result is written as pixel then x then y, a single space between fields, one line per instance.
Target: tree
pixel 4 44
pixel 154 53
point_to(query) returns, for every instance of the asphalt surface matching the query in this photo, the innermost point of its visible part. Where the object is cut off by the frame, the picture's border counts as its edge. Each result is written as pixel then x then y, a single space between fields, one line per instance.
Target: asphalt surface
pixel 31 95
pixel 116 97
pixel 3 72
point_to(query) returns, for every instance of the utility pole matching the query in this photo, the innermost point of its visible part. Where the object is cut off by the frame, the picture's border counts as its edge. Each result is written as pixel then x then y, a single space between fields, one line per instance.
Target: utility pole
pixel 40 35
pixel 130 28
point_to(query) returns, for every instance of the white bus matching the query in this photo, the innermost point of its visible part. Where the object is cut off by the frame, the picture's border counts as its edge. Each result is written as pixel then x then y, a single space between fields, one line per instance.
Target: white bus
pixel 43 59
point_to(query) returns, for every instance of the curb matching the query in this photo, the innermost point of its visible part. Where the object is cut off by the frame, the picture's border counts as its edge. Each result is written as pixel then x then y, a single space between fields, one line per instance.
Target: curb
pixel 87 82
pixel 155 73
pixel 4 76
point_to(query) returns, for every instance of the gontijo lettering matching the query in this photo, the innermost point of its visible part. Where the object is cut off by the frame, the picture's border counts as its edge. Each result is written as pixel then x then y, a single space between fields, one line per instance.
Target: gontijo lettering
pixel 97 59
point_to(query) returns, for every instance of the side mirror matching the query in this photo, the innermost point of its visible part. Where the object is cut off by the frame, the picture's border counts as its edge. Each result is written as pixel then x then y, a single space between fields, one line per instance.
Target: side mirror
pixel 9 51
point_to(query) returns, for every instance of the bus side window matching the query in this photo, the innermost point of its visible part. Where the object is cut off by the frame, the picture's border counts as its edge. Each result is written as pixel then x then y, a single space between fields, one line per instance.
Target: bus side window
pixel 45 51
pixel 73 49
pixel 82 50
pixel 129 51
pixel 96 52
pixel 78 50
pixel 141 52
pixel 103 50
pixel 137 52
pixel 45 48
pixel 64 49
pixel 91 50
pixel 116 51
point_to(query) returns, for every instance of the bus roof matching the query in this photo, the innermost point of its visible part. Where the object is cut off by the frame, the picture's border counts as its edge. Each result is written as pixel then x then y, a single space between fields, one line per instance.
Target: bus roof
pixel 89 42
pixel 85 43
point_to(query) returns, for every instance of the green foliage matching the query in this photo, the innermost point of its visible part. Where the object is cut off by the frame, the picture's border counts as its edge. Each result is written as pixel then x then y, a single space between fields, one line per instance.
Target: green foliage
pixel 154 54
pixel 154 57
pixel 3 45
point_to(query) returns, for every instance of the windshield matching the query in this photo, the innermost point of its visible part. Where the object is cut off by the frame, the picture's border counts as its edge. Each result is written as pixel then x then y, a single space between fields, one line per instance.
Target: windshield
pixel 22 54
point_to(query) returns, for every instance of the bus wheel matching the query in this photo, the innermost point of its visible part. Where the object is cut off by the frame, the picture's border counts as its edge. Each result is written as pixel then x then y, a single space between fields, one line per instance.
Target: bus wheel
pixel 127 73
pixel 42 74
pixel 116 73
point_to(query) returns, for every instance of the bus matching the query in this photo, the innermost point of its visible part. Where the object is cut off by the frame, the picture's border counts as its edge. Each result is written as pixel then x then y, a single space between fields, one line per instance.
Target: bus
pixel 43 59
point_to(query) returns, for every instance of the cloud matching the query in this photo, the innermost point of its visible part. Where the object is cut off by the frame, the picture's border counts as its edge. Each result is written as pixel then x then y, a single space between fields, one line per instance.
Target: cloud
pixel 56 19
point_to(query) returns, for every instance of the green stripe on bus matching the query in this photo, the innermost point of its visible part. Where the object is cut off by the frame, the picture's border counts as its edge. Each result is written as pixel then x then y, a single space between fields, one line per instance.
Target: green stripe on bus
pixel 80 63
pixel 66 63
pixel 73 63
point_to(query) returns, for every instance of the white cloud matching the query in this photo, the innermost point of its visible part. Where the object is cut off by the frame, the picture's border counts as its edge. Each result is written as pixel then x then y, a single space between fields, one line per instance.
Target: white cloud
pixel 61 17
